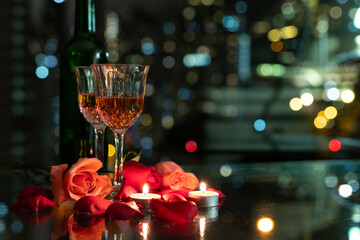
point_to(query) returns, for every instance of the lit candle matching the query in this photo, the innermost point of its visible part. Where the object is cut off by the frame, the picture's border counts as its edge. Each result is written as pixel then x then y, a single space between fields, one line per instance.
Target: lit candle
pixel 144 198
pixel 204 198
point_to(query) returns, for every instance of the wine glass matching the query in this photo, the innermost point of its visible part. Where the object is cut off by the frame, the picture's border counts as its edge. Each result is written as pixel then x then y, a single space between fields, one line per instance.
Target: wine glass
pixel 87 89
pixel 120 101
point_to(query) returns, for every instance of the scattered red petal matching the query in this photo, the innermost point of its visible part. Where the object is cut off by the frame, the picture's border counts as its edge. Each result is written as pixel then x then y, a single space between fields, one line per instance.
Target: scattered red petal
pixel 91 205
pixel 123 211
pixel 34 203
pixel 180 212
pixel 173 197
pixel 33 191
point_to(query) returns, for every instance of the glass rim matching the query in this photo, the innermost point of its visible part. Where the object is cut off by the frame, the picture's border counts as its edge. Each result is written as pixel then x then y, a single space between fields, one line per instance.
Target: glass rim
pixel 120 64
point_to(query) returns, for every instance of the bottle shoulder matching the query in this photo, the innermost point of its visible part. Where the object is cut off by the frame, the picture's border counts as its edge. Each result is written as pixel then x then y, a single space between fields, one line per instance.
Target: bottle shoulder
pixel 86 49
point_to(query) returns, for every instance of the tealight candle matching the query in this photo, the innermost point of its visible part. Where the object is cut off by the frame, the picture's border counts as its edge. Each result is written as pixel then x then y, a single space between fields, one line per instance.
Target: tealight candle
pixel 204 198
pixel 144 198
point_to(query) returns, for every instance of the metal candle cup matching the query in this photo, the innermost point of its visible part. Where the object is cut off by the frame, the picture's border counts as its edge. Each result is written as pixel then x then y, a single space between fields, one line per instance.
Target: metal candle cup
pixel 204 198
pixel 144 198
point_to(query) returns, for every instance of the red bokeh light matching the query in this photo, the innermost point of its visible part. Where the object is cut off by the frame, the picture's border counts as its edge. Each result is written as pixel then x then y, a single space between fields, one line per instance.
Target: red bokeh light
pixel 191 146
pixel 334 145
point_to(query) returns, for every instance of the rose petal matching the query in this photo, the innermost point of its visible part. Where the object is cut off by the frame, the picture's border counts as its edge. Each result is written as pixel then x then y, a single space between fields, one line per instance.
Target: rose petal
pixel 92 205
pixel 173 197
pixel 90 164
pixel 125 191
pixel 182 192
pixel 137 174
pixel 57 184
pixel 174 212
pixel 33 191
pixel 222 196
pixel 33 203
pixel 104 185
pixel 123 211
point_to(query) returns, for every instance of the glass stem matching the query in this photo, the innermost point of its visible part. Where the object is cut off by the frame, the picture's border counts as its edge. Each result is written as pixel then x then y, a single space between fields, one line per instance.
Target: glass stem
pixel 119 158
pixel 99 146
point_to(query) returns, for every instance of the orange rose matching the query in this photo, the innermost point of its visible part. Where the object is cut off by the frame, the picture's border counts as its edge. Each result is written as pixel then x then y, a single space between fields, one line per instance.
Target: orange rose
pixel 173 176
pixel 79 181
pixel 178 180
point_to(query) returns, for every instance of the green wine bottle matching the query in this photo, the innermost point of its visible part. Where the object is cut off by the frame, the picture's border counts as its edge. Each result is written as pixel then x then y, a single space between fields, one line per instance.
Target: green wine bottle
pixel 82 49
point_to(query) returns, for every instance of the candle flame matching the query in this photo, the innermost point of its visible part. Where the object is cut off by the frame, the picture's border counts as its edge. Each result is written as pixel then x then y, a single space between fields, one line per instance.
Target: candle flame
pixel 145 228
pixel 202 222
pixel 202 187
pixel 145 189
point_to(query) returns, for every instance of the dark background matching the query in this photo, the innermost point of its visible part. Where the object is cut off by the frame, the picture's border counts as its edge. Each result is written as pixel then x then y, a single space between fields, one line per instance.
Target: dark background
pixel 215 105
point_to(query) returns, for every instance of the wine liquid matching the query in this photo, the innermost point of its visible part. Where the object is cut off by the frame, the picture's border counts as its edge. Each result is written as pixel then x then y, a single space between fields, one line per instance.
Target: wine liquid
pixel 120 113
pixel 87 105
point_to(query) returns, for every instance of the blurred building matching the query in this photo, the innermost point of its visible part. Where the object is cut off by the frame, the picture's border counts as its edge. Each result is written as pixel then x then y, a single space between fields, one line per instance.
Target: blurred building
pixel 245 80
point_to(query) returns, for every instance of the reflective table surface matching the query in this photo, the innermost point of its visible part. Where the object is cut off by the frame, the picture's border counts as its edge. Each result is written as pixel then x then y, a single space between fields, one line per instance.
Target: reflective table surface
pixel 278 200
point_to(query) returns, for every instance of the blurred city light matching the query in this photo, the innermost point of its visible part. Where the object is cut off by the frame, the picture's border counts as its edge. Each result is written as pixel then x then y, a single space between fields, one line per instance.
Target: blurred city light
pixel 295 104
pixel 345 190
pixel 347 96
pixel 225 170
pixel 330 112
pixel 259 125
pixel 306 99
pixel 265 225
pixel 334 145
pixel 190 146
pixel 196 60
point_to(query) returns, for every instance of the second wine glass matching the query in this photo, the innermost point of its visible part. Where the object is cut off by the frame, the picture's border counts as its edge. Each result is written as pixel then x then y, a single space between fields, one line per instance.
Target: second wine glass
pixel 87 89
pixel 120 101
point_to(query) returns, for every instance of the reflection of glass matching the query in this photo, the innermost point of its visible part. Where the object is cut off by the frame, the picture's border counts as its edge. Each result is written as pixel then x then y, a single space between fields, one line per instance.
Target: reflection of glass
pixel 86 98
pixel 120 101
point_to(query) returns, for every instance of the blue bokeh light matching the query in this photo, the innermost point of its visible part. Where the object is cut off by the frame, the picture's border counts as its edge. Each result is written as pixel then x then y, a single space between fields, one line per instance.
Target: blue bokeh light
pixel 231 23
pixel 51 61
pixel 40 59
pixel 183 94
pixel 241 7
pixel 259 125
pixel 148 48
pixel 42 72
pixel 169 28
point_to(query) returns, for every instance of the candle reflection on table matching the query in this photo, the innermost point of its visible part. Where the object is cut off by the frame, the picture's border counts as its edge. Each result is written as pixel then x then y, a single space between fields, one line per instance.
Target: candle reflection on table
pixel 145 230
pixel 202 224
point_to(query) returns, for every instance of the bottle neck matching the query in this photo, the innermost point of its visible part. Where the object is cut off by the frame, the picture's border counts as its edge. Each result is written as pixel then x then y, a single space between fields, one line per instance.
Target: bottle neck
pixel 84 17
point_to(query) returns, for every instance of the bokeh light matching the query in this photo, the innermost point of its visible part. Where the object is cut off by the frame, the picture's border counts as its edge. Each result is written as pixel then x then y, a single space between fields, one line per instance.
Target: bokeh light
pixel 345 190
pixel 347 96
pixel 333 94
pixel 42 72
pixel 330 112
pixel 225 170
pixel 259 125
pixel 306 99
pixel 265 224
pixel 295 104
pixel 320 122
pixel 334 145
pixel 190 146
